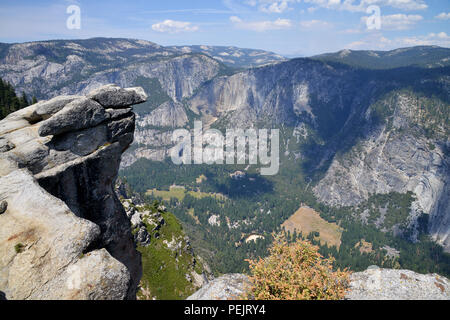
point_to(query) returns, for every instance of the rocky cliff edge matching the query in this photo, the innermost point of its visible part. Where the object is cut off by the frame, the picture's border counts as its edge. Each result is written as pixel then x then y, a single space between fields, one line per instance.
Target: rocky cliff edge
pixel 63 232
pixel 373 284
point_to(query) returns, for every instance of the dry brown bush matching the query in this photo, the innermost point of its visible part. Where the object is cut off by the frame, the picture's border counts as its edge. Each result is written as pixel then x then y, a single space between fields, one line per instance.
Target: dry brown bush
pixel 295 271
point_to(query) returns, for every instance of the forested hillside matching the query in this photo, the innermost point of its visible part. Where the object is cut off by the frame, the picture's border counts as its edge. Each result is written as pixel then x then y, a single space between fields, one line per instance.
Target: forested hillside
pixel 220 226
pixel 9 101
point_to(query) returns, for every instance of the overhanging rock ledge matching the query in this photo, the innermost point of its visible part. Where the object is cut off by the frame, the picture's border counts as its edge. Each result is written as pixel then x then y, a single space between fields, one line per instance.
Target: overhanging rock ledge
pixel 63 233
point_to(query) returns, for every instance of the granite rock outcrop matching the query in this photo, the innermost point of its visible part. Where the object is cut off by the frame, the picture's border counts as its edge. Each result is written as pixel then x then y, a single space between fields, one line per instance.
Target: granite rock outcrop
pixel 63 232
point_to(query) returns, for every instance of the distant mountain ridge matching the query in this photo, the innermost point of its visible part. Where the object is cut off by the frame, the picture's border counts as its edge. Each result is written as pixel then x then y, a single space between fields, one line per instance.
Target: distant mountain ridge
pixel 231 56
pixel 234 56
pixel 50 68
pixel 421 56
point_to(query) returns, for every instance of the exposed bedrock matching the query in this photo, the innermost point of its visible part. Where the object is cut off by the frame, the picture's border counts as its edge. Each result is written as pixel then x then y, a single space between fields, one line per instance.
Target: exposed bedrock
pixel 63 233
pixel 372 284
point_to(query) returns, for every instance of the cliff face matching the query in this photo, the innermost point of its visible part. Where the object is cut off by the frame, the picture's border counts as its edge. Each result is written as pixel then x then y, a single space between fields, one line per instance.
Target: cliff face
pixel 63 232
pixel 397 156
pixel 362 132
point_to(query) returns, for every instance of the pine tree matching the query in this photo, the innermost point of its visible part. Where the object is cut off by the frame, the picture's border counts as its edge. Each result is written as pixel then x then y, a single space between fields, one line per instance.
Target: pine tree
pixel 9 102
pixel 23 100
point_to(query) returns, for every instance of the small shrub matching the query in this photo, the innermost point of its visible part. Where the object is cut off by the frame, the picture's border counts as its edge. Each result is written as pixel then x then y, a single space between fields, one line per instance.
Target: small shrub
pixel 295 272
pixel 19 247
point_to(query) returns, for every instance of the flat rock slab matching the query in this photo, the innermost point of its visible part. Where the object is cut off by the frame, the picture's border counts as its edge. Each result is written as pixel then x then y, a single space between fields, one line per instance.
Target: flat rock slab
pixel 226 287
pixel 46 109
pixel 389 284
pixel 113 96
pixel 79 114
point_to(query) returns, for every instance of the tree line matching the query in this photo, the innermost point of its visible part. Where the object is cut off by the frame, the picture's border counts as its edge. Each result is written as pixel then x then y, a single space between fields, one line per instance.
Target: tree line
pixel 10 102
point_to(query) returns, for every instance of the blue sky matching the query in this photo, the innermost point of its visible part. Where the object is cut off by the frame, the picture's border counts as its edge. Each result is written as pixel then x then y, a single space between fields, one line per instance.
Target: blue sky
pixel 288 27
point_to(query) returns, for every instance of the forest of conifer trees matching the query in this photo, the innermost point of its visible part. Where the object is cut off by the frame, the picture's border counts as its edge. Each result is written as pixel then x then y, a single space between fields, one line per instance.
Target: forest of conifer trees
pixel 10 102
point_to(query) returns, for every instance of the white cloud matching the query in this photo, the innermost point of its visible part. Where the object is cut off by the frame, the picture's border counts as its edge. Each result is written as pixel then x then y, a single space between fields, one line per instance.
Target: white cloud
pixel 394 22
pixel 261 26
pixel 439 39
pixel 251 3
pixel 280 6
pixel 440 35
pixel 377 41
pixel 316 24
pixel 171 26
pixel 276 7
pixel 354 6
pixel 397 21
pixel 443 16
pixel 271 6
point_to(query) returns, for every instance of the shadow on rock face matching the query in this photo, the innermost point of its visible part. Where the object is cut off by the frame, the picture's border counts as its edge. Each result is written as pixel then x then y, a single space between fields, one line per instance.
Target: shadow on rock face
pixel 2 296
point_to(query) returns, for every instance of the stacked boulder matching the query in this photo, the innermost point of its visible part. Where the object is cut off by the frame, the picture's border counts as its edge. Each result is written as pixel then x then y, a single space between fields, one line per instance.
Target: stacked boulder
pixel 63 232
